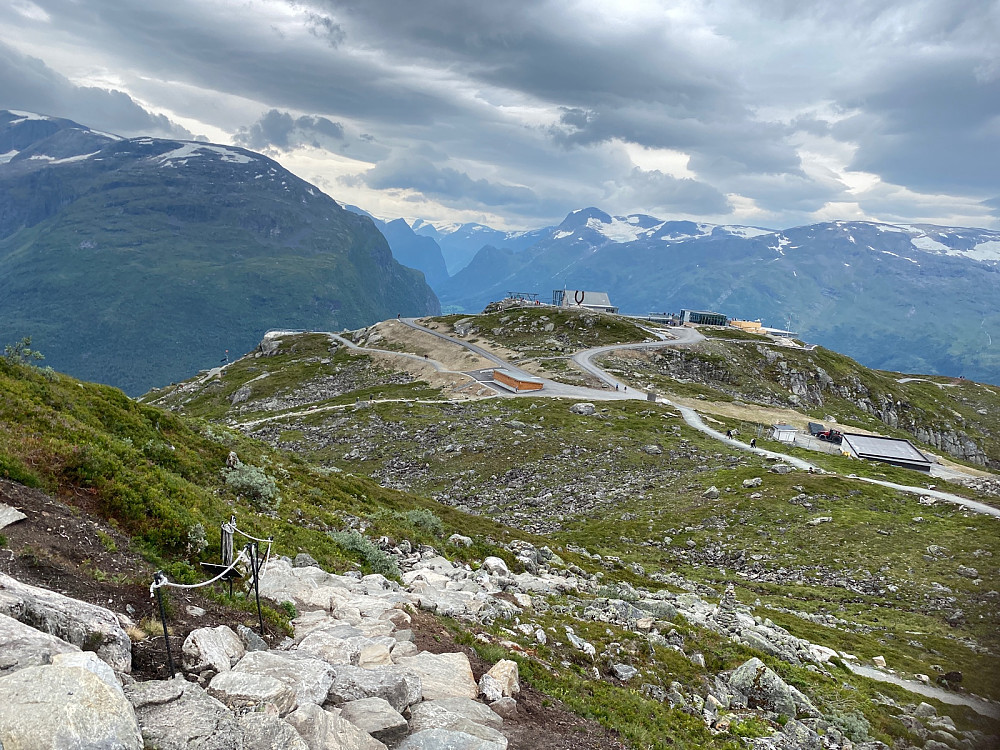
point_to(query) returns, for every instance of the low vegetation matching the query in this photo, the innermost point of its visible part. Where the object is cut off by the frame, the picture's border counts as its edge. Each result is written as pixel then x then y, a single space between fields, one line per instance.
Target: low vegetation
pixel 623 493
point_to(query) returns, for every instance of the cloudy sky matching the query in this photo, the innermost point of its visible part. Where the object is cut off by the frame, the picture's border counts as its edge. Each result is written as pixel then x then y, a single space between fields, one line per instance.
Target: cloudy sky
pixel 515 112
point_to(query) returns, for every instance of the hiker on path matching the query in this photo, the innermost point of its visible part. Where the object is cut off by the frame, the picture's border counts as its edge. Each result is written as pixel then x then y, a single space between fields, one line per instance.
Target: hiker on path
pixel 753 442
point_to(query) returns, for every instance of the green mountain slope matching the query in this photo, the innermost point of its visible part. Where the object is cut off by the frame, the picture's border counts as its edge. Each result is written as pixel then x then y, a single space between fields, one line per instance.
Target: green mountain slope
pixel 145 260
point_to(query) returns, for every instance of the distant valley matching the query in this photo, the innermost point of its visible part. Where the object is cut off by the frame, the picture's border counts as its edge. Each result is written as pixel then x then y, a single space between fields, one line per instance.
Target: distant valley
pixel 906 298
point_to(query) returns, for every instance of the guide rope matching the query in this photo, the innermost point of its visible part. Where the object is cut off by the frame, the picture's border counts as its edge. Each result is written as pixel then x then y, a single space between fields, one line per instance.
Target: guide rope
pixel 160 579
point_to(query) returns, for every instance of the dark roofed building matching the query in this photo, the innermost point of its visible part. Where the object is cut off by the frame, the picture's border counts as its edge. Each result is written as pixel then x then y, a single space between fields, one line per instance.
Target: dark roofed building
pixel 895 451
pixel 704 317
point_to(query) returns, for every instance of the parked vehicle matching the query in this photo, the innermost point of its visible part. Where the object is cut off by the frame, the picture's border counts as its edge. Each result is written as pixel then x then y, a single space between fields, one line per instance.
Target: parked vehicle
pixel 831 436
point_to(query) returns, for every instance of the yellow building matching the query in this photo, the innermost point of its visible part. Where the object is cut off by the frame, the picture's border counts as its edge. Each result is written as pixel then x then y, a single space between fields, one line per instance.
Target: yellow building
pixel 751 326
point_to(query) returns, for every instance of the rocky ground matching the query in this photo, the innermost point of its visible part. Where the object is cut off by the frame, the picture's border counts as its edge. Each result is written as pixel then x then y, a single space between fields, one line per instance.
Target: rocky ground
pixel 65 575
pixel 365 666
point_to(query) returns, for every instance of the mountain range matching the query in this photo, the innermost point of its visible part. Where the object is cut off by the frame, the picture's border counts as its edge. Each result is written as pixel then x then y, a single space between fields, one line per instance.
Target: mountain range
pixel 901 297
pixel 137 261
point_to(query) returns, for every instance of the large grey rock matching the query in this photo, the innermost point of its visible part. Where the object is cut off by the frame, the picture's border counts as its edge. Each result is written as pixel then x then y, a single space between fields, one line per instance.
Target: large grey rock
pixel 86 626
pixel 92 663
pixel 327 730
pixel 661 610
pixel 442 675
pixel 378 718
pixel 308 677
pixel 69 708
pixel 502 681
pixel 251 641
pixel 801 737
pixel 398 686
pixel 444 739
pixel 23 646
pixel 216 648
pixel 448 712
pixel 244 689
pixel 496 566
pixel 756 639
pixel 307 588
pixel 585 408
pixel 264 732
pixel 763 688
pixel 332 645
pixel 179 715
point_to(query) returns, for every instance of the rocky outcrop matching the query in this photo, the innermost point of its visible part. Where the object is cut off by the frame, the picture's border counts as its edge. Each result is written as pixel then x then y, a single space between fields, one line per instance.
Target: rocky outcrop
pixel 40 711
pixel 179 715
pixel 84 625
pixel 763 688
pixel 24 646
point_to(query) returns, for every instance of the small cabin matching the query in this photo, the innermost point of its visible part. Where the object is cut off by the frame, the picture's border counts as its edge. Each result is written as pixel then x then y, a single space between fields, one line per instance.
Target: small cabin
pixel 784 433
pixel 516 382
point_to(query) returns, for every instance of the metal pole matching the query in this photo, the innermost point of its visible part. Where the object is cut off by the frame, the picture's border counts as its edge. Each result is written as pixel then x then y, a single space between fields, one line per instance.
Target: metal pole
pixel 163 620
pixel 255 564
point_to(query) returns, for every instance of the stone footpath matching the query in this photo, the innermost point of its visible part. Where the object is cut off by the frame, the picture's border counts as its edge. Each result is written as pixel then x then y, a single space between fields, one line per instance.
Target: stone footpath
pixel 351 678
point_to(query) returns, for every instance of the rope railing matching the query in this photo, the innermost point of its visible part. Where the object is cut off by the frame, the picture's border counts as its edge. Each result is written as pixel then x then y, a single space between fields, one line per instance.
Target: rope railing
pixel 160 579
pixel 249 555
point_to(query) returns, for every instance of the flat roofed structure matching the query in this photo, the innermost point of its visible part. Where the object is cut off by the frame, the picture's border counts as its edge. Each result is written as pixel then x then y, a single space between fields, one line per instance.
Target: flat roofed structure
pixel 784 432
pixel 704 317
pixel 895 451
pixel 598 301
pixel 516 383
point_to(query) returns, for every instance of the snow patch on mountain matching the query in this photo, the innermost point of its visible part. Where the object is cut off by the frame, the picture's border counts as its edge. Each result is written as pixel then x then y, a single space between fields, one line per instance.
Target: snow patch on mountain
pixel 25 116
pixel 926 243
pixel 616 230
pixel 4 158
pixel 747 232
pixel 988 251
pixel 192 150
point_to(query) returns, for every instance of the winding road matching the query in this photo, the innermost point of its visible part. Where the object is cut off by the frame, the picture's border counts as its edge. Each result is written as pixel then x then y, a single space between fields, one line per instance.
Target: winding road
pixel 681 336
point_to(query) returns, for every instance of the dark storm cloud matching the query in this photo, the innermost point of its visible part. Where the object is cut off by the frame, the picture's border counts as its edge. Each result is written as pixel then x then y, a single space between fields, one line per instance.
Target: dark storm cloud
pixel 654 191
pixel 416 172
pixel 650 84
pixel 282 131
pixel 27 83
pixel 933 126
pixel 762 97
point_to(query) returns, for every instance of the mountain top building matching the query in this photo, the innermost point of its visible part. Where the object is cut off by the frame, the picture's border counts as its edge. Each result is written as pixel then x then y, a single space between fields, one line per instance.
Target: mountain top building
pixel 597 301
pixel 703 317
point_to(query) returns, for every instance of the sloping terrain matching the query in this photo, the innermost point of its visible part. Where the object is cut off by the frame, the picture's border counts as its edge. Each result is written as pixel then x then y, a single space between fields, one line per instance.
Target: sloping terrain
pixel 867 570
pixel 135 262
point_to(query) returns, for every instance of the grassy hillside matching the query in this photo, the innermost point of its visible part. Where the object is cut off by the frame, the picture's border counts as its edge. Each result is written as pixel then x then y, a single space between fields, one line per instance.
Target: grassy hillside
pixel 620 494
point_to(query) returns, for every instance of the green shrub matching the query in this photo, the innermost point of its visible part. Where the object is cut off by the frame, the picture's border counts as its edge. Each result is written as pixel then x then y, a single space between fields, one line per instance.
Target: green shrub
pixel 372 558
pixel 854 726
pixel 255 483
pixel 196 539
pixel 425 520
